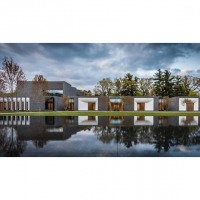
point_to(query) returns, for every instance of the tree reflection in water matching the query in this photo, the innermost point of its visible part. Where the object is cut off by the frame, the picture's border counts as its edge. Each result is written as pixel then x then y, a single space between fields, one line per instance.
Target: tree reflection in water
pixel 123 135
pixel 39 143
pixel 166 137
pixel 9 143
pixel 104 133
pixel 163 137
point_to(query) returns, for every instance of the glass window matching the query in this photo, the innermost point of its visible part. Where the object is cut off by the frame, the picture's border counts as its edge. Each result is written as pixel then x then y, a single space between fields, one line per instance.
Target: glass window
pixel 54 93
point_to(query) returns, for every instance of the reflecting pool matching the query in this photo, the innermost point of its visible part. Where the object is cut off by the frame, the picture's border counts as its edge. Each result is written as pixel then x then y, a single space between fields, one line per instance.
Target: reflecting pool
pixel 93 136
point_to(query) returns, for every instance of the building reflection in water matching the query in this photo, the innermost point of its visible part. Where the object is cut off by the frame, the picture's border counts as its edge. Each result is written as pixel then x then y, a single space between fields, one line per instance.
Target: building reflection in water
pixel 116 120
pixel 188 120
pixel 162 133
pixel 55 130
pixel 143 120
pixel 14 120
pixel 88 120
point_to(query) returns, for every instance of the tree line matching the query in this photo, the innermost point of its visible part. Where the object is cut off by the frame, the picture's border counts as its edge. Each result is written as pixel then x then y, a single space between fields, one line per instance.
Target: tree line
pixel 163 83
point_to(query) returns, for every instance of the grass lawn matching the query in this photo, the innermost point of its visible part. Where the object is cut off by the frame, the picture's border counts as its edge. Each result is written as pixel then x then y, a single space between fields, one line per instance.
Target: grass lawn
pixel 100 113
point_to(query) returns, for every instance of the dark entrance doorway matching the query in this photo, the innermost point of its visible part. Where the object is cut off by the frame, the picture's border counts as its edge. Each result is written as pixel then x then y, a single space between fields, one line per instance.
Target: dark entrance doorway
pixel 190 106
pixel 141 106
pixel 49 103
pixel 91 106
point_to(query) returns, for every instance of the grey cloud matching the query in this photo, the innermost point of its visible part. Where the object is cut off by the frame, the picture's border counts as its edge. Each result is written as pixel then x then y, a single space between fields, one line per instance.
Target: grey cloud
pixel 70 51
pixel 155 56
pixel 19 49
pixel 86 63
pixel 175 70
pixel 194 73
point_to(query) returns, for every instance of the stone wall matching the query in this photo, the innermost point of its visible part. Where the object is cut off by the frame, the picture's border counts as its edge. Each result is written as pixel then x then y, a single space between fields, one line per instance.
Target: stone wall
pixel 128 103
pixel 173 104
pixel 155 103
pixel 103 103
pixel 25 90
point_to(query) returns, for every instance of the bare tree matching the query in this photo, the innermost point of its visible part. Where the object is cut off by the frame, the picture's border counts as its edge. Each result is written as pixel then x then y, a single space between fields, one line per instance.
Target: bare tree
pixel 11 74
pixel 145 86
pixel 190 84
pixel 166 101
pixel 65 101
pixel 118 86
pixel 40 143
pixel 2 86
pixel 87 93
pixel 39 89
pixel 104 87
pixel 10 145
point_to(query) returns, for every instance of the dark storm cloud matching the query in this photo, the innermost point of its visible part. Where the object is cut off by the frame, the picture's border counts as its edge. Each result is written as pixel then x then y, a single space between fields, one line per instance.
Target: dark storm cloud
pixel 60 52
pixel 161 56
pixel 71 51
pixel 19 49
pixel 155 56
pixel 86 63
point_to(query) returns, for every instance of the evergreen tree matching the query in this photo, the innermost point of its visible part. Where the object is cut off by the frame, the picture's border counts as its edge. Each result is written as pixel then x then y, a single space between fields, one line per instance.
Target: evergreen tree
pixel 118 83
pixel 129 87
pixel 164 83
pixel 178 89
pixel 158 84
pixel 168 83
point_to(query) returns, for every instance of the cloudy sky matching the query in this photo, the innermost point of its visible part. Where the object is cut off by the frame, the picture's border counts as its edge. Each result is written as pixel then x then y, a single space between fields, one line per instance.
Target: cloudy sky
pixel 83 65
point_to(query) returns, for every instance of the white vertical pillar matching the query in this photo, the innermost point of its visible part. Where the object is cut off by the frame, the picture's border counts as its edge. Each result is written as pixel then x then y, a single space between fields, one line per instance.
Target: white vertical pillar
pixel 20 120
pixel 15 102
pixel 10 120
pixel 28 103
pixel 28 120
pixel 23 120
pixel 23 103
pixel 20 104
pixel 14 120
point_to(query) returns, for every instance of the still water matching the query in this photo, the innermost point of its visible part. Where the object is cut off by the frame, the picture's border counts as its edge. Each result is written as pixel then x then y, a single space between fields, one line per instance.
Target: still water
pixel 86 136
